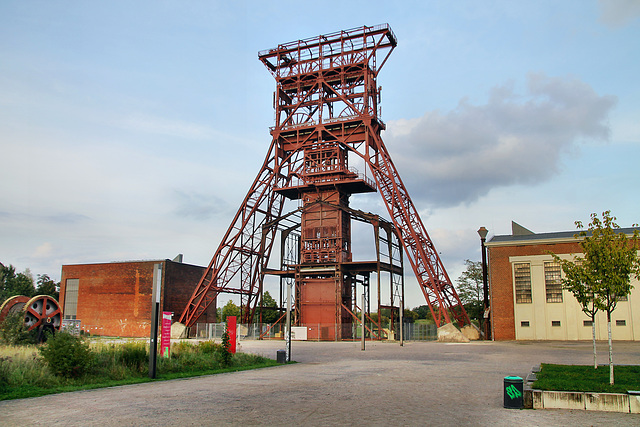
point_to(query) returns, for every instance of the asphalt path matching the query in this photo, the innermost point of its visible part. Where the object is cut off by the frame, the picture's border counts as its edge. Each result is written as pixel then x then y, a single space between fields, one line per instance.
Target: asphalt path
pixel 419 384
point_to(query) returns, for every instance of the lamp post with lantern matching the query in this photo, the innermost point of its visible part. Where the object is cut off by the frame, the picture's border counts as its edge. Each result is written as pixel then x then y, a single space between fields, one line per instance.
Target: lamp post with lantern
pixel 485 285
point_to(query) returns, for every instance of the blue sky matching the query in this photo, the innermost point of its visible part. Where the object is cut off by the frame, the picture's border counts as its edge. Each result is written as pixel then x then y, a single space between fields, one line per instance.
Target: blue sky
pixel 132 130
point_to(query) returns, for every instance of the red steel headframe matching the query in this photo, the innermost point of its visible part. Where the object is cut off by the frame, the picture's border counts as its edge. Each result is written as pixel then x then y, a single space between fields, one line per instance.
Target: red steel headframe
pixel 325 91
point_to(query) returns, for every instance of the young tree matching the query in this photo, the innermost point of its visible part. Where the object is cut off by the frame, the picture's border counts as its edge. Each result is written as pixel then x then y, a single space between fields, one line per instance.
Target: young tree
pixel 470 289
pixel 230 309
pixel 605 270
pixel 575 282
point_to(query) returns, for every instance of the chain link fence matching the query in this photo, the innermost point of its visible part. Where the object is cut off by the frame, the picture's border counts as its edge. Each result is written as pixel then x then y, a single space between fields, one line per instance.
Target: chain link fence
pixel 317 332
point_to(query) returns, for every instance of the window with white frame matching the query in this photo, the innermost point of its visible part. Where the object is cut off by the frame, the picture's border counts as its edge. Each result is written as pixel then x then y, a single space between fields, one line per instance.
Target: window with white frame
pixel 522 280
pixel 553 281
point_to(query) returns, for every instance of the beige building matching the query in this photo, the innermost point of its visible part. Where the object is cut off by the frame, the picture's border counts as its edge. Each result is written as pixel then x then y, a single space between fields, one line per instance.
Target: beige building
pixel 527 299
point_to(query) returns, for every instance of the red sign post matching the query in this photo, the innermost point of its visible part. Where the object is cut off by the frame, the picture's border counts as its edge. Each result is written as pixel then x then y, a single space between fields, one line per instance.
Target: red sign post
pixel 231 328
pixel 165 341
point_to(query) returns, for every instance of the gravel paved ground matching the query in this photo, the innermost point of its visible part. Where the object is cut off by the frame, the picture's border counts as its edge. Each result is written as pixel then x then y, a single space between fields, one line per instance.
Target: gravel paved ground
pixel 422 383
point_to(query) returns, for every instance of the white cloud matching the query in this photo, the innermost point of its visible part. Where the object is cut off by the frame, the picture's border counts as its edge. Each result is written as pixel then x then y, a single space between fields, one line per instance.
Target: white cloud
pixel 197 205
pixel 456 157
pixel 618 13
pixel 44 250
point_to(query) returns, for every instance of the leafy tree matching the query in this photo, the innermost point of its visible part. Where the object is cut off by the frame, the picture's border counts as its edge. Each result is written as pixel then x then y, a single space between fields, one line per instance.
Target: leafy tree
pixel 374 316
pixel 603 274
pixel 470 289
pixel 423 312
pixel 12 284
pixel 46 286
pixel 270 312
pixel 230 309
pixel 409 315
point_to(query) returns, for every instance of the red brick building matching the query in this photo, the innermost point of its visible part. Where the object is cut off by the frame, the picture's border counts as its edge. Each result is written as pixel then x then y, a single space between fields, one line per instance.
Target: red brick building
pixel 115 299
pixel 527 299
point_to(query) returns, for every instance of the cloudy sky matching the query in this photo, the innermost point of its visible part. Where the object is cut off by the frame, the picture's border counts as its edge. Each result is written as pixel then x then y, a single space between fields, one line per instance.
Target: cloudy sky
pixel 132 130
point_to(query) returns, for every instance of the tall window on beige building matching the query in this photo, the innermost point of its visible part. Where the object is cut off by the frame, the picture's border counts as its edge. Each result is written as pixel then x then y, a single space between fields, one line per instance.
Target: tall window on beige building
pixel 522 279
pixel 553 281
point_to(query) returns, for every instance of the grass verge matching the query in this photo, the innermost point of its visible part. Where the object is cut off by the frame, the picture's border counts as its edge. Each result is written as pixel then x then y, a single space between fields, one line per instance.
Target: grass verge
pixel 587 379
pixel 24 372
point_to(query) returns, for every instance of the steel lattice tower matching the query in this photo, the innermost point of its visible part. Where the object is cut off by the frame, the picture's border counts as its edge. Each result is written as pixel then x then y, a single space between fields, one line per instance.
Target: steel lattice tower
pixel 326 110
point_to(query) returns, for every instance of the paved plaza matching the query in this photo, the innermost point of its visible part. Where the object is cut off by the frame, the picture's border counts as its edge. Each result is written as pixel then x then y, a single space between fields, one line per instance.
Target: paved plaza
pixel 420 384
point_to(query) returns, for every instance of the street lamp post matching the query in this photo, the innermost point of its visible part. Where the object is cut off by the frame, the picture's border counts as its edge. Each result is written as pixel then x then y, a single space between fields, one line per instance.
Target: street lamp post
pixel 485 285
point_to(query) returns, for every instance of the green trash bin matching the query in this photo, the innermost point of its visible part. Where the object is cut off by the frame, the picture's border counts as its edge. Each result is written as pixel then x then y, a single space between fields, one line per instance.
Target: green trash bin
pixel 513 390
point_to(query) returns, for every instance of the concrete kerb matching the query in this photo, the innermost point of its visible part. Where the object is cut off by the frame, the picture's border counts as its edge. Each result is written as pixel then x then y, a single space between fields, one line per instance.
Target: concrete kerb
pixel 634 401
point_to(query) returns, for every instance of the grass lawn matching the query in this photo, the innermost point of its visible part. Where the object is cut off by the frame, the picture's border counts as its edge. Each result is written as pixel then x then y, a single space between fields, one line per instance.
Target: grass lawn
pixel 586 378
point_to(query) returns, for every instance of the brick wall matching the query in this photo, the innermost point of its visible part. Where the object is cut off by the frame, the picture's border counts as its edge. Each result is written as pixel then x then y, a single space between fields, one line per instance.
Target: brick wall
pixel 114 299
pixel 180 281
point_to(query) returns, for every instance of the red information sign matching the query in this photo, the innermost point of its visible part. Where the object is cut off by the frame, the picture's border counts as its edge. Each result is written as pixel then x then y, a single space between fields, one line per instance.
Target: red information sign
pixel 231 327
pixel 165 342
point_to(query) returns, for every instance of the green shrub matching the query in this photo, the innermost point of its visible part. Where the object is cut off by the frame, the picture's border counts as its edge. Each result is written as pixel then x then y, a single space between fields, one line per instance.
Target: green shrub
pixel 133 355
pixel 182 348
pixel 4 373
pixel 66 355
pixel 119 361
pixel 208 347
pixel 13 332
pixel 225 354
pixel 187 356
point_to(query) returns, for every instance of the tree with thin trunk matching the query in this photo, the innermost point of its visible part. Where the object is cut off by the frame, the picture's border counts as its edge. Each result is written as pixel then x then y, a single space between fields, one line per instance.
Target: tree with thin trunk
pixel 602 276
pixel 470 289
pixel 575 282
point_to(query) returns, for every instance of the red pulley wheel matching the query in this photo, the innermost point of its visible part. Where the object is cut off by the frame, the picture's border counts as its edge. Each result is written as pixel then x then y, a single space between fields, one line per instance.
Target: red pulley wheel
pixel 12 305
pixel 42 310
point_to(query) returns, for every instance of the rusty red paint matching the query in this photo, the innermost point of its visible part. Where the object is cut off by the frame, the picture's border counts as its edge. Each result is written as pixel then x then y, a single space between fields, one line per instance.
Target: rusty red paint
pixel 327 109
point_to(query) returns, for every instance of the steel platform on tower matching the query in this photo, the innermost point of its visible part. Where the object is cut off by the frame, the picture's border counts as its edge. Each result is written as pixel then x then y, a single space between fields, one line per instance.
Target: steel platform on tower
pixel 327 116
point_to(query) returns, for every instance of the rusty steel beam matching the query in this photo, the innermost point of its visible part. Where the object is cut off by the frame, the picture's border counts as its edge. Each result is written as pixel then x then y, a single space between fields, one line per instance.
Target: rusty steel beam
pixel 326 106
pixel 239 251
pixel 432 277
